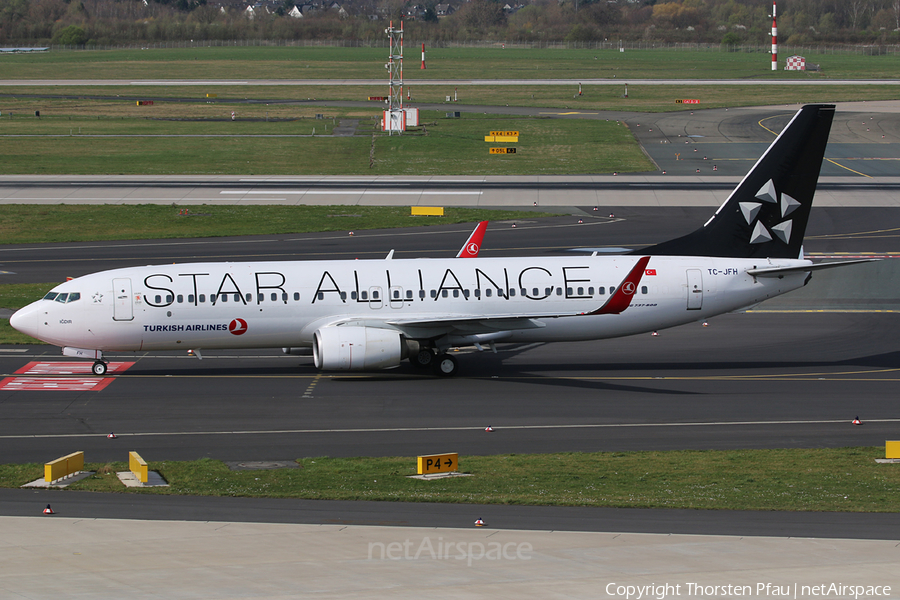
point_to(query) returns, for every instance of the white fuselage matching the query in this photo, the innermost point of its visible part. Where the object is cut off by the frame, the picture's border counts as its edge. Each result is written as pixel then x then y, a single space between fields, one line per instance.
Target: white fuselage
pixel 282 304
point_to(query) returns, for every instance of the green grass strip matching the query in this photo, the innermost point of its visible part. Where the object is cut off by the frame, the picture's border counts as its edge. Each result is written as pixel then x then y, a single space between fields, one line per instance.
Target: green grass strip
pixel 41 223
pixel 834 479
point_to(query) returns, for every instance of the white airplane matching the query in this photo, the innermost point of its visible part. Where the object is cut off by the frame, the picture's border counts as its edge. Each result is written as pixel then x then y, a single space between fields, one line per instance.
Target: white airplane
pixel 373 314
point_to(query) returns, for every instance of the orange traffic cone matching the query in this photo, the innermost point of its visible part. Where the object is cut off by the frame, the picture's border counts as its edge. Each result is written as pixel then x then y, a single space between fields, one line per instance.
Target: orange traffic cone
pixel 48 510
pixel 655 334
pixel 856 421
pixel 489 429
pixel 479 523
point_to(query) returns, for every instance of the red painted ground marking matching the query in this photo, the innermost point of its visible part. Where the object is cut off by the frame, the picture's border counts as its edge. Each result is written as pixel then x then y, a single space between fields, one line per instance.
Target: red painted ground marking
pixel 48 367
pixel 62 384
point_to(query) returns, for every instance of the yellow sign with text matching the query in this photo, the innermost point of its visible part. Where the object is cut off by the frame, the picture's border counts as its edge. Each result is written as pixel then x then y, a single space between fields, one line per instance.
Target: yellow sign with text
pixel 505 133
pixel 438 463
pixel 502 151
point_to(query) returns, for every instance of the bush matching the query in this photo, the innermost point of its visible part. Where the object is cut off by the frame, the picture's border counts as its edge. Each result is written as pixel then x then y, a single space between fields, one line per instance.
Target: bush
pixel 73 35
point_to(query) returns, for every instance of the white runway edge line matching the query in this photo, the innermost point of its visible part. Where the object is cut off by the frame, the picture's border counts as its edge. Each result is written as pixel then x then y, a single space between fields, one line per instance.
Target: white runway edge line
pixel 346 192
pixel 426 429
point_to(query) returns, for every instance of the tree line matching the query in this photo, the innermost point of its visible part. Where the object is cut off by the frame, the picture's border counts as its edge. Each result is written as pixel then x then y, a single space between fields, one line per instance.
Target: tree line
pixel 730 22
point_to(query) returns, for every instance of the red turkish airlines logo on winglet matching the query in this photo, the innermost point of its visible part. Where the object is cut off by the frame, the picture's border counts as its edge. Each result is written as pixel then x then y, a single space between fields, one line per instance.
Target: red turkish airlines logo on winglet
pixel 238 326
pixel 620 300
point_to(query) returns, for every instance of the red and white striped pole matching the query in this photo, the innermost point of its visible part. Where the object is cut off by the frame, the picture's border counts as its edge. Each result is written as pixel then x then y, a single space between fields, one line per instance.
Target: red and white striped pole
pixel 774 40
pixel 423 56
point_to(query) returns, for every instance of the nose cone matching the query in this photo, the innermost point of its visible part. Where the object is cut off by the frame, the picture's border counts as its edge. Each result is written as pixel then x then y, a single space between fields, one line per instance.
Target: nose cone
pixel 26 320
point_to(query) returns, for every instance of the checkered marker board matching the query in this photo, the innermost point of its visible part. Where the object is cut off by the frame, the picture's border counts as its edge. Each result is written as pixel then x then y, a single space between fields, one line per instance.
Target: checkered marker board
pixel 796 63
pixel 68 368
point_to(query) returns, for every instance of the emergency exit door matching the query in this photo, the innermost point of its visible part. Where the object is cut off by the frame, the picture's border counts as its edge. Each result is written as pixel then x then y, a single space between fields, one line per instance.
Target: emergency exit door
pixel 122 307
pixel 695 289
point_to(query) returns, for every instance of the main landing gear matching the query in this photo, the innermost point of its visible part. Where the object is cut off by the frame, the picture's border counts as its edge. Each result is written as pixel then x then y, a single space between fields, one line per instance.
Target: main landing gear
pixel 443 365
pixel 99 368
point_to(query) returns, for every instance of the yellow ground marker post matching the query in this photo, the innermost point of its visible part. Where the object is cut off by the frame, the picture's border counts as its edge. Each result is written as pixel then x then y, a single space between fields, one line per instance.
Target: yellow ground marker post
pixel 138 466
pixel 438 463
pixel 428 211
pixel 63 466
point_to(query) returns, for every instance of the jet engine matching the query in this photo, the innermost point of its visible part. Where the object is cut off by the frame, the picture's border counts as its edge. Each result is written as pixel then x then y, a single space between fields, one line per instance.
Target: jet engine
pixel 338 348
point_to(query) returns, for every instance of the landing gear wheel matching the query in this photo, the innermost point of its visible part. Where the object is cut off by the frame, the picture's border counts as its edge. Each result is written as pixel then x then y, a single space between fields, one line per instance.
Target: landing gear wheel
pixel 446 366
pixel 99 368
pixel 424 359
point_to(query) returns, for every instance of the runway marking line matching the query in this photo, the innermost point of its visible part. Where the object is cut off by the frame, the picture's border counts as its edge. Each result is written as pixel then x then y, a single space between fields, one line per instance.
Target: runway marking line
pixel 58 376
pixel 57 384
pixel 471 428
pixel 69 368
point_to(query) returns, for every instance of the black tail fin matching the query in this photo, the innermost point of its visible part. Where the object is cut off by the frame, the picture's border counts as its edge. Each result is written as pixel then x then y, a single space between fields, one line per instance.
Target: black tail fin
pixel 766 215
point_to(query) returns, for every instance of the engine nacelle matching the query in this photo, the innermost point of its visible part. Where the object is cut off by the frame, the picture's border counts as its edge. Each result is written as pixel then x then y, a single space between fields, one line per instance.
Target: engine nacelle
pixel 338 348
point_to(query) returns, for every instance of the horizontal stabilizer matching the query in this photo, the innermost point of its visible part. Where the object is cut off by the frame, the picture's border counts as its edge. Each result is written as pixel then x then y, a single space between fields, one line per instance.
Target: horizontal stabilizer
pixel 778 271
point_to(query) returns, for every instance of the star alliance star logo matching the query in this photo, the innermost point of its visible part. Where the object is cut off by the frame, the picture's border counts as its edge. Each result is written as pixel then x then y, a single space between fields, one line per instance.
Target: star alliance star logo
pixel 751 210
pixel 98 298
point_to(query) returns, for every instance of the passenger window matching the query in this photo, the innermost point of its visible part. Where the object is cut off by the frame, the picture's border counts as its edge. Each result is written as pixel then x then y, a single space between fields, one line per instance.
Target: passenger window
pixel 548 291
pixel 191 298
pixel 320 295
pixel 466 293
pixel 374 294
pixel 456 293
pixel 248 297
pixel 74 296
pixel 409 295
pixel 512 292
pixel 343 296
pixel 169 298
pixel 434 293
pixel 488 292
pixel 364 295
pixel 478 293
pixel 523 291
pixel 534 292
pixel 444 293
pixel 396 294
pixel 260 297
pixel 612 290
pixel 50 296
pixel 179 298
pixel 568 291
pixel 601 290
pixel 237 297
pixel 284 297
pixel 202 298
pixel 297 296
pixel 62 298
pixel 559 291
pixel 353 295
pixel 223 297
pixel 421 293
pixel 643 289
pixel 274 296
pixel 158 298
pixel 590 291
pixel 581 291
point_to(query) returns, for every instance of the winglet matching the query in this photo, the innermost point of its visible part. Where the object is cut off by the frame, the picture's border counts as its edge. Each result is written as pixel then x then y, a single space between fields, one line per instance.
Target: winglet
pixel 620 300
pixel 473 244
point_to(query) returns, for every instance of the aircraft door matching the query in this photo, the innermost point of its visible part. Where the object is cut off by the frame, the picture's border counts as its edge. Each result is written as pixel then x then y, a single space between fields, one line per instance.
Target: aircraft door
pixel 375 299
pixel 695 289
pixel 122 308
pixel 396 296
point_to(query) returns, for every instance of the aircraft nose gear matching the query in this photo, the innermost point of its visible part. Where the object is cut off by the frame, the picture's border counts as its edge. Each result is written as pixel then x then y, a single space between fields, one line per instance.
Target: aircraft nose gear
pixel 99 368
pixel 446 366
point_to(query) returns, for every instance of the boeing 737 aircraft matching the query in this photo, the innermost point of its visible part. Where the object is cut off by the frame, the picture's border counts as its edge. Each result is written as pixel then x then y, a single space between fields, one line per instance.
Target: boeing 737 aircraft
pixel 373 314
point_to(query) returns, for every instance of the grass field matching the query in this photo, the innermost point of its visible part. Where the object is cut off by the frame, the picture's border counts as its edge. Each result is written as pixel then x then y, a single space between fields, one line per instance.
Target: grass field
pixel 442 63
pixel 842 479
pixel 111 144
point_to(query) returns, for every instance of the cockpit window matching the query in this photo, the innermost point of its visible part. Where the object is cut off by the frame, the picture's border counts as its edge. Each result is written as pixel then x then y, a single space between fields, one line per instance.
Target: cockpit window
pixel 62 298
pixel 73 296
pixel 50 296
